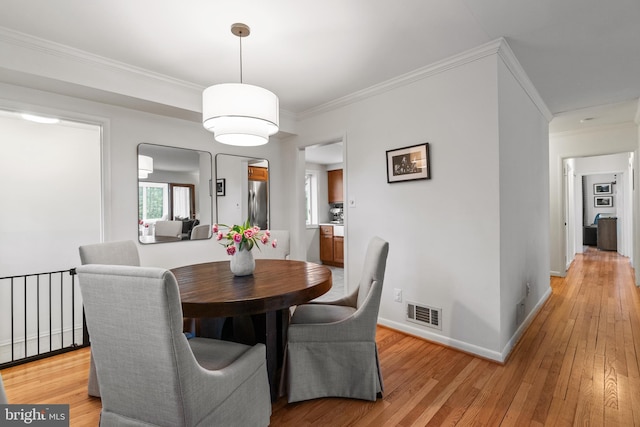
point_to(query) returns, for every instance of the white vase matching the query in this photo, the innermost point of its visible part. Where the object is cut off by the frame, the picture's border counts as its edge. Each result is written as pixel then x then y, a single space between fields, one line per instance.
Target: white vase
pixel 242 263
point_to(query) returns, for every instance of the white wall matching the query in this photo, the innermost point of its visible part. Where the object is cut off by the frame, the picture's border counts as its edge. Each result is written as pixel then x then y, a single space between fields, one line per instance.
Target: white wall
pixel 233 170
pixel 50 186
pixel 564 145
pixel 524 206
pixel 444 233
pixel 590 210
pixel 312 233
pixel 323 190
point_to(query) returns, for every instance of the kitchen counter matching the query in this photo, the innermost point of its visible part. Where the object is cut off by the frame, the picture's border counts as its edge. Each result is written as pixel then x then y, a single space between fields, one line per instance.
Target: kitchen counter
pixel 338 228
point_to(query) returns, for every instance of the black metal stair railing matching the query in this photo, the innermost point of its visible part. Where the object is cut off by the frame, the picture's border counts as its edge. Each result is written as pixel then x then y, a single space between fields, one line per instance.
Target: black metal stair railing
pixel 41 315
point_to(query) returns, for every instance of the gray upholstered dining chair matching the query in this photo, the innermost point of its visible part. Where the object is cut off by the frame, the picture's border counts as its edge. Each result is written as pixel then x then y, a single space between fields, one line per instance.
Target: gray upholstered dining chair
pixel 151 374
pixel 201 231
pixel 3 395
pixel 331 349
pixel 110 253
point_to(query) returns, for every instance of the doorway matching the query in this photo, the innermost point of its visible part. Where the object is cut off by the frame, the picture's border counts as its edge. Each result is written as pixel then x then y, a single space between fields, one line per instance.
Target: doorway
pixel 598 187
pixel 323 211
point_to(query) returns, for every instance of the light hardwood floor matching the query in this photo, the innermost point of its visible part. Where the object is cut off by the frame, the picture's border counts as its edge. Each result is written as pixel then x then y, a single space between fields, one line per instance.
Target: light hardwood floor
pixel 577 364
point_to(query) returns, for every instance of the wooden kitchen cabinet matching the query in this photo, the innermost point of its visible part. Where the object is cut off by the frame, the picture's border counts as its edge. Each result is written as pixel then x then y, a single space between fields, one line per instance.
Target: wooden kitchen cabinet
pixel 331 247
pixel 258 173
pixel 326 249
pixel 338 249
pixel 326 243
pixel 334 184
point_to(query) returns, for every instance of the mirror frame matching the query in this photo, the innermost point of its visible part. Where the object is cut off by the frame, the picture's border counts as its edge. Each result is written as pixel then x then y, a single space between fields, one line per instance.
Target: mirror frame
pixel 222 182
pixel 201 190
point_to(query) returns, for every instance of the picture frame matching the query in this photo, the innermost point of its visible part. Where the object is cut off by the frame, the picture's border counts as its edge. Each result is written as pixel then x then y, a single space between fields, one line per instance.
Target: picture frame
pixel 603 201
pixel 220 187
pixel 602 188
pixel 408 163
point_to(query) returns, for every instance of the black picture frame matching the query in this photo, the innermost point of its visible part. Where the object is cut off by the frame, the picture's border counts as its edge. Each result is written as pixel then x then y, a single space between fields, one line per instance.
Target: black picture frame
pixel 408 163
pixel 602 188
pixel 220 187
pixel 603 201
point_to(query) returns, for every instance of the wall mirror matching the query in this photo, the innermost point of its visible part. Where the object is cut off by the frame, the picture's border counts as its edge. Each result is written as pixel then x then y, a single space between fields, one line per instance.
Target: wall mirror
pixel 175 200
pixel 242 190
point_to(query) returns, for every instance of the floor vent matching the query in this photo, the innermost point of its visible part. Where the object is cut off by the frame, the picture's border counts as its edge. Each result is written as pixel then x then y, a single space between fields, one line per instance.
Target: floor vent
pixel 424 315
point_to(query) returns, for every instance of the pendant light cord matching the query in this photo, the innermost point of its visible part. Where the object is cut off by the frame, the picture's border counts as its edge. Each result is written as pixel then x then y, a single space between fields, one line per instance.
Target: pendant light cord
pixel 240 58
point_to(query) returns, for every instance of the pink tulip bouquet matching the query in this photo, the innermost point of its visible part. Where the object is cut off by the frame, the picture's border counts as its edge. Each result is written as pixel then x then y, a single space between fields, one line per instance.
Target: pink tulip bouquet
pixel 239 237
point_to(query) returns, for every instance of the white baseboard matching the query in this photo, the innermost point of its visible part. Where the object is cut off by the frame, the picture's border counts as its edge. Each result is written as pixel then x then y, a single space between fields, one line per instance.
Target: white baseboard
pixel 524 325
pixel 466 347
pixel 440 339
pixel 32 344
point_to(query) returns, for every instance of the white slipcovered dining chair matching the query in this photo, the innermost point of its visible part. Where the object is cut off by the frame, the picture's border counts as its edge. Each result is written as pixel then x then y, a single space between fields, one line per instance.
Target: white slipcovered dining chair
pixel 109 253
pixel 331 348
pixel 150 374
pixel 3 395
pixel 168 228
pixel 202 231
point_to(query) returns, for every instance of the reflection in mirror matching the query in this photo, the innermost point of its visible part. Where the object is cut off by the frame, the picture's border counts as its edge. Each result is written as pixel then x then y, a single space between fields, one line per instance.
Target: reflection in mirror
pixel 242 189
pixel 174 194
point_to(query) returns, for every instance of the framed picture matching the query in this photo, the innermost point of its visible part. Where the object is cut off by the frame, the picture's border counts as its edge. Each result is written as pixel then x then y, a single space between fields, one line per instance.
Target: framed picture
pixel 604 188
pixel 603 201
pixel 408 163
pixel 220 187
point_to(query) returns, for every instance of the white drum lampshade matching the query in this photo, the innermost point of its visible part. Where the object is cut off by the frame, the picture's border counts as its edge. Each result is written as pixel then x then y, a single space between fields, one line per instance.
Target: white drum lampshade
pixel 240 114
pixel 145 166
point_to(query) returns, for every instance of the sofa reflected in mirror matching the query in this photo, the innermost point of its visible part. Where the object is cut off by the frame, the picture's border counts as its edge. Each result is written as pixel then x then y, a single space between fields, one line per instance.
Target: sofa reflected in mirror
pixel 174 193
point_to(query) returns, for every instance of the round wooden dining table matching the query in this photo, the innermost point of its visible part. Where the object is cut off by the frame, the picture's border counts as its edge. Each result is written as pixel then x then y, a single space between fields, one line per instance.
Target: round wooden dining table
pixel 210 290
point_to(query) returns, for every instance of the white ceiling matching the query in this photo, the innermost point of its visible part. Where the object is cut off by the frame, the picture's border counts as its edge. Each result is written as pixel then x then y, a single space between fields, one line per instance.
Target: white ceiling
pixel 325 154
pixel 578 53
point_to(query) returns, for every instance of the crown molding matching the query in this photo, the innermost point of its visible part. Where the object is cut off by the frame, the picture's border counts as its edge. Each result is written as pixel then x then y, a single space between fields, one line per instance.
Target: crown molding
pixel 512 63
pixel 155 83
pixel 177 95
pixel 472 55
pixel 498 46
pixel 59 50
pixel 40 60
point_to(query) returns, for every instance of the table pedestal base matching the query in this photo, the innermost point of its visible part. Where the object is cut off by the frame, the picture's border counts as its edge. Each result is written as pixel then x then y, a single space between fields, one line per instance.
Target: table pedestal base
pixel 268 328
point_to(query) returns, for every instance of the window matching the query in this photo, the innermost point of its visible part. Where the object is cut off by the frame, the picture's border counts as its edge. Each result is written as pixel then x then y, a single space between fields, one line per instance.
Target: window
pixel 153 198
pixel 183 201
pixel 311 197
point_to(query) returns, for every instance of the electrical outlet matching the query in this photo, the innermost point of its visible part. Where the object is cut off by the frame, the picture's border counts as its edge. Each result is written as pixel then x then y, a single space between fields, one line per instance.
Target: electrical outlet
pixel 528 288
pixel 397 295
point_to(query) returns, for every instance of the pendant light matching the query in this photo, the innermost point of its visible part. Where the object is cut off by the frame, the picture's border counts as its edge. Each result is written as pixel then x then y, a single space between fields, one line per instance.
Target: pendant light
pixel 145 166
pixel 238 113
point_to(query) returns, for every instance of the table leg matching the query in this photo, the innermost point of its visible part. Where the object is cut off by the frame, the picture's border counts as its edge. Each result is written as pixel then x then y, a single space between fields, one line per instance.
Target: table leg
pixel 283 328
pixel 266 330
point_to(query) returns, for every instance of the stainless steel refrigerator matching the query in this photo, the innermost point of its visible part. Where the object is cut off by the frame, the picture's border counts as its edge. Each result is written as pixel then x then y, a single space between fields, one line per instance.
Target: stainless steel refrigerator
pixel 259 204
